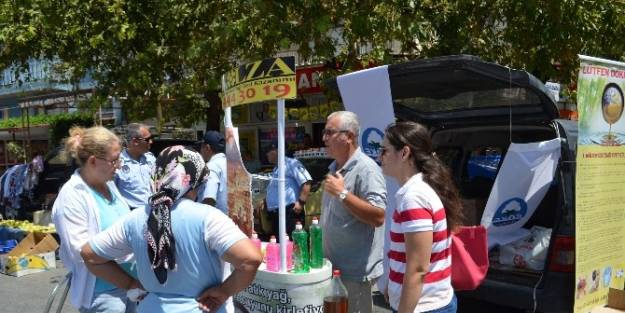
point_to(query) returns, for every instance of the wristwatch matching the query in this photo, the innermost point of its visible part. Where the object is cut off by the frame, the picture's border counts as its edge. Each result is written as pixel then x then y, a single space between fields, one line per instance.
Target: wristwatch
pixel 343 194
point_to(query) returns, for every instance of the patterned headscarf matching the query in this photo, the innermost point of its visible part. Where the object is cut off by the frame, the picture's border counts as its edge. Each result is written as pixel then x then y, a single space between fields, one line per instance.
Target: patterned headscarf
pixel 177 171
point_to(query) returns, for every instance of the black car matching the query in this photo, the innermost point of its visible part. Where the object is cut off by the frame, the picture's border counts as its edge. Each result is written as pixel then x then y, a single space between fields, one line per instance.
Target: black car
pixel 474 110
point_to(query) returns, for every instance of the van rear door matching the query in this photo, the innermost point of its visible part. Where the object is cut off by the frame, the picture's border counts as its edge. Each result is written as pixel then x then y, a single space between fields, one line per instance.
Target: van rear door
pixel 463 89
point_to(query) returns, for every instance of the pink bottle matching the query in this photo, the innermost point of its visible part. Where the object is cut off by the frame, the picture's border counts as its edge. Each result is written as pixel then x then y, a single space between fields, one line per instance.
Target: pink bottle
pixel 272 255
pixel 256 241
pixel 289 253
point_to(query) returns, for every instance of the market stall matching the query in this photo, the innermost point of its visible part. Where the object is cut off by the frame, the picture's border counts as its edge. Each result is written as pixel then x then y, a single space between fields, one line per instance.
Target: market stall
pixel 273 290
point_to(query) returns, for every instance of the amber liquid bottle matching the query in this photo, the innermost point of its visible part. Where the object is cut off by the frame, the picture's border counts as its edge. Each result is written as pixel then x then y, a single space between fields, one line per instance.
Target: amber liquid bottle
pixel 335 299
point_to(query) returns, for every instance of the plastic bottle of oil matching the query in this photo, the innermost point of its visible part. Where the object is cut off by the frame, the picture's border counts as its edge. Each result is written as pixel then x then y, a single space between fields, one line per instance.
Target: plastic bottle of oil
pixel 335 298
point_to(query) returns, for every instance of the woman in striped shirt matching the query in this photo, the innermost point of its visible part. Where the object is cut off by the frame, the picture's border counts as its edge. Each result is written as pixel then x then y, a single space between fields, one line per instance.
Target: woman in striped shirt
pixel 428 208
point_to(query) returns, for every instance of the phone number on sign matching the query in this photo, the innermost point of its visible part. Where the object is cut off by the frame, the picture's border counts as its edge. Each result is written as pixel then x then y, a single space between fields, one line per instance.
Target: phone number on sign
pixel 255 93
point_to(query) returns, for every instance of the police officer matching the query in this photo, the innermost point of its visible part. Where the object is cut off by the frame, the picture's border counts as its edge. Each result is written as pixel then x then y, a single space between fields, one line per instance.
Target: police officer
pixel 134 177
pixel 297 187
pixel 215 190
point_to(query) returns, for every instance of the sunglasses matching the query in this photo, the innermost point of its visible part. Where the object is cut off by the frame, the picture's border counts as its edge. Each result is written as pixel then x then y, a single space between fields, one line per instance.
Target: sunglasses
pixel 383 151
pixel 146 139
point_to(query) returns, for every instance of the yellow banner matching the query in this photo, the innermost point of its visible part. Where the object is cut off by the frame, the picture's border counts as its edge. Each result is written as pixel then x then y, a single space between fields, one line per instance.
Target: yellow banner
pixel 599 199
pixel 264 80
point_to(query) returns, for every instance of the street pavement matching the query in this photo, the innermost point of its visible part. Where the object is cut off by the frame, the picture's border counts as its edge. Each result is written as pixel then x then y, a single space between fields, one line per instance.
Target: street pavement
pixel 29 294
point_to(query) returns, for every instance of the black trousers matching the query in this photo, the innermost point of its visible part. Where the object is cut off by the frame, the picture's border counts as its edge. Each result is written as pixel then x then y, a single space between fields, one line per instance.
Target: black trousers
pixel 291 219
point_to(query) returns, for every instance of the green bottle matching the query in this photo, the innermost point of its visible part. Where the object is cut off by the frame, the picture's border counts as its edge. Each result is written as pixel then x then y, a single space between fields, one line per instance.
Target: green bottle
pixel 316 245
pixel 301 262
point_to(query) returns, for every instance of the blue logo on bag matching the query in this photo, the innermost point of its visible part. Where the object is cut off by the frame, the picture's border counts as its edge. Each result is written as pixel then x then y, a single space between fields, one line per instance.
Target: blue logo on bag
pixel 371 142
pixel 510 212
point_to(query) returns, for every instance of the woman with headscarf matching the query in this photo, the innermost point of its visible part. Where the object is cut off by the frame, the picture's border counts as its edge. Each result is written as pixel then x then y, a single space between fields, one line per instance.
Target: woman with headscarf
pixel 179 244
pixel 87 204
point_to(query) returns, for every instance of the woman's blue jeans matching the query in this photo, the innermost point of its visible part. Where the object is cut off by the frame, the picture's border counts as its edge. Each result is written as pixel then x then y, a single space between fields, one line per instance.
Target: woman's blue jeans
pixel 452 307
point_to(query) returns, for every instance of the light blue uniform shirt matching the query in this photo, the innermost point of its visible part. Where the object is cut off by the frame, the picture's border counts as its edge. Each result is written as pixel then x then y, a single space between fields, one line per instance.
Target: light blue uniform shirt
pixel 110 212
pixel 216 185
pixel 134 178
pixel 295 175
pixel 202 233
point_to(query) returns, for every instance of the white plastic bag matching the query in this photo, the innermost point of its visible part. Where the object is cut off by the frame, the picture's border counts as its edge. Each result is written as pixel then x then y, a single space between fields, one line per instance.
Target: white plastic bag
pixel 529 252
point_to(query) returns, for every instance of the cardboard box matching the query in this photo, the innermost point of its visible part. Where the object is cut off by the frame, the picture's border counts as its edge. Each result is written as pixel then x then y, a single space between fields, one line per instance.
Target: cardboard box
pixel 34 254
pixel 42 217
pixel 616 302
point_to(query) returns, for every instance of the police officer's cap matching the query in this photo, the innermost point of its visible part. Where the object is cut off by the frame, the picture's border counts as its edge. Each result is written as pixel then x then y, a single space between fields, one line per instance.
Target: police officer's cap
pixel 214 139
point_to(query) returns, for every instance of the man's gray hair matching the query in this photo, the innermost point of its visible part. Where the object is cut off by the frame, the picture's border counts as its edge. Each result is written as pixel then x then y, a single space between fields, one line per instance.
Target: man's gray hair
pixel 348 121
pixel 133 130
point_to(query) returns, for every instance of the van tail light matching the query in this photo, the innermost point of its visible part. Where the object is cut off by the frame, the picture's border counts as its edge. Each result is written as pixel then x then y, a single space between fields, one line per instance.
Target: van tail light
pixel 563 254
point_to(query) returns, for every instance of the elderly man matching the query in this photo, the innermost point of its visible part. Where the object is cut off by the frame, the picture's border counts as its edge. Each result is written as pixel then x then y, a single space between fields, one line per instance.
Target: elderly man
pixel 354 201
pixel 215 191
pixel 134 177
pixel 296 190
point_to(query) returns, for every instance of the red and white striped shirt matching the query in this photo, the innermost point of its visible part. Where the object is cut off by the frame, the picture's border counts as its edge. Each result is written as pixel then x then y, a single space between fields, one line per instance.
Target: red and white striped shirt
pixel 420 209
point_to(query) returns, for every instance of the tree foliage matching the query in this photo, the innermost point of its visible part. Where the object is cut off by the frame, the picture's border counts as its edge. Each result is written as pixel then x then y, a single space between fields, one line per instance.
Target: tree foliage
pixel 174 52
pixel 59 124
pixel 542 37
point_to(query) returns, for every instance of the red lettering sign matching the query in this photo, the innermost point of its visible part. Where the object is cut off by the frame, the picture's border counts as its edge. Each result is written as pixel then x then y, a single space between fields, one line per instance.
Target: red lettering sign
pixel 307 79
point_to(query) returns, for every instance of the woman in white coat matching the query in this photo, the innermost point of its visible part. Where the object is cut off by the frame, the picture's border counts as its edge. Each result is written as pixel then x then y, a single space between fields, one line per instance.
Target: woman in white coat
pixel 87 204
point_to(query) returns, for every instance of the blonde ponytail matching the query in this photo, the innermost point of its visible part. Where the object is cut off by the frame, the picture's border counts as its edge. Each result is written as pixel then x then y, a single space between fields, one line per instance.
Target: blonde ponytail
pixel 85 142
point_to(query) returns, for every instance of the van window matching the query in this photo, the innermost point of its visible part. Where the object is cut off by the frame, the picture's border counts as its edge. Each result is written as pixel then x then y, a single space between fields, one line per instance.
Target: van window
pixel 503 97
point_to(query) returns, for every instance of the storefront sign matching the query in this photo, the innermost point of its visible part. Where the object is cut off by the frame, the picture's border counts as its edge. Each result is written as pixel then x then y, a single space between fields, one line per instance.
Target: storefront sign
pixel 599 201
pixel 308 79
pixel 264 80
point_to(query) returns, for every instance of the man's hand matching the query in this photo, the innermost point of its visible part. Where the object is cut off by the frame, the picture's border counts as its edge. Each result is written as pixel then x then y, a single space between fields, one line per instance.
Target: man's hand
pixel 212 299
pixel 334 184
pixel 298 207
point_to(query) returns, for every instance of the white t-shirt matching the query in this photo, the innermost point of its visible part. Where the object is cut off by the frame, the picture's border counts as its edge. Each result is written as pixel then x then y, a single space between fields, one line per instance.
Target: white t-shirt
pixel 419 209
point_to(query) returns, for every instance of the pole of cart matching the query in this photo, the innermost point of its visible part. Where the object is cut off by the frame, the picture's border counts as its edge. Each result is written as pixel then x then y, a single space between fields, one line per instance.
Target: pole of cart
pixel 281 187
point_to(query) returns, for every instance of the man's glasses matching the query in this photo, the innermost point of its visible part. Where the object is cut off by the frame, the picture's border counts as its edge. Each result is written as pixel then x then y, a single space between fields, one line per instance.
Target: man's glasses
pixel 331 131
pixel 146 139
pixel 112 163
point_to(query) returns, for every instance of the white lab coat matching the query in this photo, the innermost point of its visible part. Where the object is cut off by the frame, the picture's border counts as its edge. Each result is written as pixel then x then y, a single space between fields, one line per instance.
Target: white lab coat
pixel 76 217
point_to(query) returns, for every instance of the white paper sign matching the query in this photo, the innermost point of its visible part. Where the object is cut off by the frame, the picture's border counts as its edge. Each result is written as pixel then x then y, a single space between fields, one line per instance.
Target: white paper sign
pixel 368 94
pixel 521 184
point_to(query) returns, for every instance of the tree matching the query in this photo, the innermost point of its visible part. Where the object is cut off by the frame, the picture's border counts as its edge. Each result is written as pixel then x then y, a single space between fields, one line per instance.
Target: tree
pixel 173 53
pixel 542 37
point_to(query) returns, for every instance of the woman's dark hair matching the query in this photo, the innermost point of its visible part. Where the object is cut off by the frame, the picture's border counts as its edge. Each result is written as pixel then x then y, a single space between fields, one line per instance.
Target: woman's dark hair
pixel 416 137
